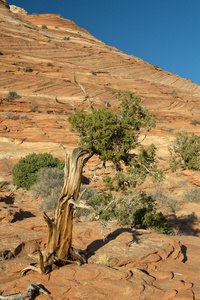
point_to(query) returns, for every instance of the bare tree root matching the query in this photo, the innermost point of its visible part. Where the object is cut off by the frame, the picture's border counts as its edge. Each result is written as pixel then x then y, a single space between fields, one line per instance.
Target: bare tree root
pixel 32 291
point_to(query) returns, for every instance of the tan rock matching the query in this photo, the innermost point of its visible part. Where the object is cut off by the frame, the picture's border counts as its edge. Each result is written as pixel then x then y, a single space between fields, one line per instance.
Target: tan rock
pixel 161 274
pixel 185 295
pixel 181 285
pixel 18 10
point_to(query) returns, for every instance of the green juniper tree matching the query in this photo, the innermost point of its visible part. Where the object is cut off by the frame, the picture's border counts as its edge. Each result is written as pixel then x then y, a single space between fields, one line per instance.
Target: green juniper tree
pixel 115 136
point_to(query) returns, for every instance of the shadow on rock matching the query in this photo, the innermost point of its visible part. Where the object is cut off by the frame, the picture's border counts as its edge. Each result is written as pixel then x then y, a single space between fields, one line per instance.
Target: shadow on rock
pixel 8 199
pixel 184 252
pixel 21 214
pixel 186 224
pixel 97 244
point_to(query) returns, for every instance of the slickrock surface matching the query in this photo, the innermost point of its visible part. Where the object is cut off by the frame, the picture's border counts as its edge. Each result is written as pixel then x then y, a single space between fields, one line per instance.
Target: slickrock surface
pixel 127 264
pixel 42 57
pixel 49 93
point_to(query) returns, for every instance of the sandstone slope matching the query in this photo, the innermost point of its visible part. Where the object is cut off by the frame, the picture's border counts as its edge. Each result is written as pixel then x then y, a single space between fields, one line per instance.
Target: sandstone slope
pixel 129 264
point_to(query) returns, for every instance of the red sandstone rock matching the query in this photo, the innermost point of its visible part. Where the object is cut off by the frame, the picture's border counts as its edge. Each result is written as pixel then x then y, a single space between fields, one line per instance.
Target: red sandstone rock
pixel 130 263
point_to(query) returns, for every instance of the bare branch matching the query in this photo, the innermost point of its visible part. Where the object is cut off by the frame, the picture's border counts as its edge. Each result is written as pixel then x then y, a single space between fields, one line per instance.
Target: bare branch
pixel 97 168
pixel 71 104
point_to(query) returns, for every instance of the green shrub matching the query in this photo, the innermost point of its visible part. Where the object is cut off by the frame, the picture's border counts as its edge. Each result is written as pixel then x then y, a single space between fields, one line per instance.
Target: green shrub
pixel 185 152
pixel 12 95
pixel 66 38
pixel 195 122
pixel 49 64
pixel 44 27
pixel 139 211
pixel 25 172
pixel 27 69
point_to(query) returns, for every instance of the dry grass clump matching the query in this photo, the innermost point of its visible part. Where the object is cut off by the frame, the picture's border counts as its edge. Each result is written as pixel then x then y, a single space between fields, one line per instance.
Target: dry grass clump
pixel 49 187
pixel 191 195
pixel 166 200
pixel 104 259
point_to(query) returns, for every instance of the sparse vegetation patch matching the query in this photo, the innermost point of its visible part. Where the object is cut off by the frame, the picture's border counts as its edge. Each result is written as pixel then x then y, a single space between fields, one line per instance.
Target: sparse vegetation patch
pixel 195 122
pixel 12 95
pixel 192 195
pixel 44 26
pixel 12 116
pixel 136 211
pixel 185 152
pixel 49 186
pixel 27 69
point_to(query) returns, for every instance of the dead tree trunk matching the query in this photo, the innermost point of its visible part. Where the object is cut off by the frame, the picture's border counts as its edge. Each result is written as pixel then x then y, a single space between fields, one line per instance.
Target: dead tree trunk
pixel 59 250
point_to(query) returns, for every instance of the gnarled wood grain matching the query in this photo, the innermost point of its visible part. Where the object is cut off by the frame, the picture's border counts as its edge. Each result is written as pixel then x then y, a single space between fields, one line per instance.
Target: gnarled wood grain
pixel 59 248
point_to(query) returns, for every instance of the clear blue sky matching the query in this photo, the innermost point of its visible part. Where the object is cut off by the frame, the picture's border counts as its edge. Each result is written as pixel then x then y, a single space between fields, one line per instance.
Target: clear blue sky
pixel 162 32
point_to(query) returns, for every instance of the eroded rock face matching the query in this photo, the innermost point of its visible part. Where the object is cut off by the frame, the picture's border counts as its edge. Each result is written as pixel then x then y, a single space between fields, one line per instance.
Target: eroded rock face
pixel 18 10
pixel 4 3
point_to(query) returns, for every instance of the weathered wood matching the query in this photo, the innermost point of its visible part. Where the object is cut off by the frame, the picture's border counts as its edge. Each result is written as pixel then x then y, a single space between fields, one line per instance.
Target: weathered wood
pixel 59 248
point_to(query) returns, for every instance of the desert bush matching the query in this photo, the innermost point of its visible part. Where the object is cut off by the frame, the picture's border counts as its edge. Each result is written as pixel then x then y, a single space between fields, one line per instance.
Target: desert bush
pixel 192 195
pixel 165 200
pixel 138 211
pixel 12 95
pixel 66 38
pixel 195 122
pixel 44 27
pixel 25 172
pixel 173 92
pixel 94 73
pixel 12 116
pixel 185 152
pixel 48 186
pixel 169 129
pixel 24 116
pixel 49 64
pixel 27 69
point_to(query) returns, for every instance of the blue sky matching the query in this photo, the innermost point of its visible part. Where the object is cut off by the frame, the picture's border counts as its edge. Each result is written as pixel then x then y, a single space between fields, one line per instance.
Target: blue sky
pixel 162 32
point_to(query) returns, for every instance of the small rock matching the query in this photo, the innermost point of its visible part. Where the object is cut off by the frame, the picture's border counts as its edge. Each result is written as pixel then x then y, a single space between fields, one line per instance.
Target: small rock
pixel 161 274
